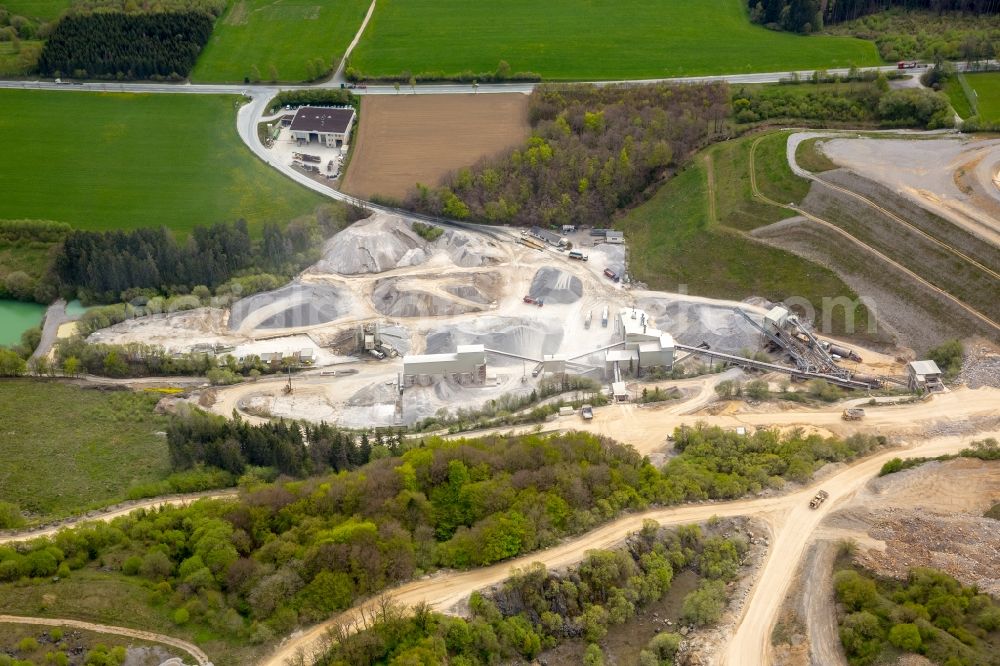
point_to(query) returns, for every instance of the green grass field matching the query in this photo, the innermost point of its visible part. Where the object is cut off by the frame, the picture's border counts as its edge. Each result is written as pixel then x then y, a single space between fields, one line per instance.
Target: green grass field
pixel 675 240
pixel 111 160
pixel 592 39
pixel 39 9
pixel 958 99
pixel 283 33
pixel 987 88
pixel 66 449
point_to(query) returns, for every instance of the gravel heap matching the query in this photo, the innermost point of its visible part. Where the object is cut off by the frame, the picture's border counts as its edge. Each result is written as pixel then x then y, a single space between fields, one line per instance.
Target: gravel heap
pixel 692 323
pixel 293 305
pixel 552 285
pixel 525 337
pixel 980 367
pixel 384 242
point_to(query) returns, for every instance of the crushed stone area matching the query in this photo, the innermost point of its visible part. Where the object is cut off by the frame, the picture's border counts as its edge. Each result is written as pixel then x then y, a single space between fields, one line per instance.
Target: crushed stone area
pixel 294 305
pixel 428 296
pixel 529 337
pixel 932 516
pixel 981 365
pixel 552 285
pixel 385 242
pixel 692 323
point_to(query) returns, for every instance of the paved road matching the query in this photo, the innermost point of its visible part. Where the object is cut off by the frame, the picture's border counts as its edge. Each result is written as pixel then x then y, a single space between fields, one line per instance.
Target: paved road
pixel 421 89
pixel 55 317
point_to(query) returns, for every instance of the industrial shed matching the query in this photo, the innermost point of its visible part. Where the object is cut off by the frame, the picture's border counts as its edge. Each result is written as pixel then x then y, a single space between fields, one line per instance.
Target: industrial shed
pixel 466 366
pixel 329 126
pixel 924 376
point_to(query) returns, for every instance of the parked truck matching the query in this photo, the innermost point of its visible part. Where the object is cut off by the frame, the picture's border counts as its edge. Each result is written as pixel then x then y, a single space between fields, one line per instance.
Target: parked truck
pixel 818 499
pixel 853 414
pixel 578 256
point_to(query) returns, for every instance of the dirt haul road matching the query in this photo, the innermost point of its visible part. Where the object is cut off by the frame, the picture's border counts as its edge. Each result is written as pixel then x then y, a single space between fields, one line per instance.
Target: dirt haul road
pixel 646 428
pixel 200 657
pixel 153 503
pixel 789 518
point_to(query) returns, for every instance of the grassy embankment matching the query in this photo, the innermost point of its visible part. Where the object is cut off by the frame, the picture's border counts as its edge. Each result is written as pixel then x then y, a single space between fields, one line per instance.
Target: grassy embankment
pixel 121 161
pixel 285 35
pixel 68 449
pixel 694 231
pixel 810 156
pixel 624 39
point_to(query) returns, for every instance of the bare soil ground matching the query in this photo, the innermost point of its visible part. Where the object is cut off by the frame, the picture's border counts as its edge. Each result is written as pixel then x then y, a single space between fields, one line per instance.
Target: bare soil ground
pixel 910 314
pixel 950 176
pixel 405 139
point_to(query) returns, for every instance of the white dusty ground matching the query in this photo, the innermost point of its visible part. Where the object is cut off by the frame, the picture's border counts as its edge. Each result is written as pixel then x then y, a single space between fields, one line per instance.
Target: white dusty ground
pixel 953 176
pixel 430 297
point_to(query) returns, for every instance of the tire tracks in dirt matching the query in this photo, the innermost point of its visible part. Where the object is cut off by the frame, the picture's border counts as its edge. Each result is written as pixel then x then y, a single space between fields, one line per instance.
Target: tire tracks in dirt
pixel 189 648
pixel 818 220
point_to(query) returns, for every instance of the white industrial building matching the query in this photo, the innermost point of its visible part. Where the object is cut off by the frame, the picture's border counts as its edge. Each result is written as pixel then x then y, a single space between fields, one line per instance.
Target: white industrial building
pixel 330 126
pixel 466 366
pixel 645 346
pixel 924 376
pixel 776 319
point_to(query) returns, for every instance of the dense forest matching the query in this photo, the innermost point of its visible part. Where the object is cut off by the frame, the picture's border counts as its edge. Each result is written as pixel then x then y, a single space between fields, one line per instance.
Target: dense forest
pixel 196 438
pixel 125 46
pixel 108 266
pixel 593 151
pixel 811 15
pixel 929 613
pixel 852 103
pixel 297 551
pixel 535 610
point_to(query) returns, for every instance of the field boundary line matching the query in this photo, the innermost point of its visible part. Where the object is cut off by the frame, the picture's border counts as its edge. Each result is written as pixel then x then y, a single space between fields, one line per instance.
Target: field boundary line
pixel 354 42
pixel 970 94
pixel 799 211
pixel 710 185
pixel 190 648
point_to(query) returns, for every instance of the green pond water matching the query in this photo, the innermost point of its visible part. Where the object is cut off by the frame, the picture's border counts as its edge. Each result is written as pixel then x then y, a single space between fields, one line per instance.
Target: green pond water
pixel 16 317
pixel 74 308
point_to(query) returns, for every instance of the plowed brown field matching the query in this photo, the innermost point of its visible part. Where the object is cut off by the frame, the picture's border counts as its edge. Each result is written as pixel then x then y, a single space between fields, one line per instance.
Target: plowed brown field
pixel 405 139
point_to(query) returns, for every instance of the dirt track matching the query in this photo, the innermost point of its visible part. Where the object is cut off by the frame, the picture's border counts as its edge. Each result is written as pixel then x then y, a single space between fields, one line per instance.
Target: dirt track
pixel 152 503
pixel 190 648
pixel 405 139
pixel 789 517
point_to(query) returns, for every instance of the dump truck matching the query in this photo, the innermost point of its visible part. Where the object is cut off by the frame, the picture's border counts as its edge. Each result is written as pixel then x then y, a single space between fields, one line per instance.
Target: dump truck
pixel 610 274
pixel 853 414
pixel 533 301
pixel 818 499
pixel 587 412
pixel 589 318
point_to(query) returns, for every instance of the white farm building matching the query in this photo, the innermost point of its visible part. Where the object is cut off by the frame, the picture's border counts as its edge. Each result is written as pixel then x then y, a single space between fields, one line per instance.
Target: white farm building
pixel 330 126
